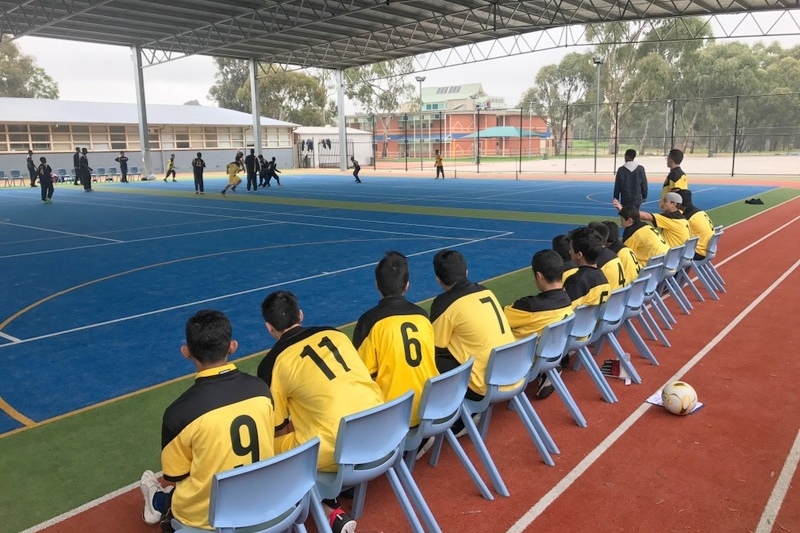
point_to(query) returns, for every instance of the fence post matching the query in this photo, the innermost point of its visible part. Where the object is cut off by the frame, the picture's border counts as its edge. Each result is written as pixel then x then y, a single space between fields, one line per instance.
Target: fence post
pixel 374 146
pixel 672 125
pixel 566 138
pixel 520 139
pixel 735 136
pixel 616 135
pixel 405 130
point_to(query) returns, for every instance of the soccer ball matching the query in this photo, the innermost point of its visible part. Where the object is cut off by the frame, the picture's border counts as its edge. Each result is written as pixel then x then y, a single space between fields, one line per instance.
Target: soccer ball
pixel 679 398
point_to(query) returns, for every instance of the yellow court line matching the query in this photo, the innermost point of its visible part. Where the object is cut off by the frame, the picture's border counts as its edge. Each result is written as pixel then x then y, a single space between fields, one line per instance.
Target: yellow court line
pixel 16 415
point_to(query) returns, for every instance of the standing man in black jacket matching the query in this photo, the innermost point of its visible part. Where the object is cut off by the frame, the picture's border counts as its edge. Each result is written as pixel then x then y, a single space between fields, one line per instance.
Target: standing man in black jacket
pixel 76 164
pixel 630 185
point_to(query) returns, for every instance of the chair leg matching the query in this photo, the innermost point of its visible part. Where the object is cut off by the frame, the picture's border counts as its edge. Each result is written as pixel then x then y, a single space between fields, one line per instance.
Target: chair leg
pixel 318 514
pixel 538 433
pixel 403 500
pixel 359 496
pixel 437 450
pixel 646 326
pixel 707 283
pixel 566 397
pixel 676 292
pixel 684 274
pixel 638 342
pixel 483 452
pixel 648 317
pixel 597 376
pixel 663 312
pixel 626 364
pixel 468 466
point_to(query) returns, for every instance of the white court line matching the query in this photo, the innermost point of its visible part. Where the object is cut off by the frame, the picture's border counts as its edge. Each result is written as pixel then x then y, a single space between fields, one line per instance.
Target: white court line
pixel 767 521
pixel 239 293
pixel 9 337
pixel 592 457
pixel 47 230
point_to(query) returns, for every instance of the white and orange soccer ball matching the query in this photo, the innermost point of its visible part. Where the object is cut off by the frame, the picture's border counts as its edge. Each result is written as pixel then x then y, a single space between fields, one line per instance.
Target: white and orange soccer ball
pixel 679 398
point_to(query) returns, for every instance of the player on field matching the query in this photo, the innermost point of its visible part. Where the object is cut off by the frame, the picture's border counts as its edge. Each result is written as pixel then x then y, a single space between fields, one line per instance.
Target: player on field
pixel 700 224
pixel 532 314
pixel 608 261
pixel 468 321
pixel 234 180
pixel 170 168
pixel 674 227
pixel 224 420
pixel 587 286
pixel 395 338
pixel 630 264
pixel 316 377
pixel 356 169
pixel 250 166
pixel 643 239
pixel 676 179
pixel 439 164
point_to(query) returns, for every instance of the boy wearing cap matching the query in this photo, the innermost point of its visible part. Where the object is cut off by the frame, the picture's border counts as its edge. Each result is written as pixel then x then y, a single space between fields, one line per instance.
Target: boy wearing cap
pixel 674 227
pixel 700 224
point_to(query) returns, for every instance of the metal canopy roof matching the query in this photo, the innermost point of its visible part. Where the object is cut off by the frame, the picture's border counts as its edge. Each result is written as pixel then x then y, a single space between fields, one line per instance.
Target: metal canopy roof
pixel 327 33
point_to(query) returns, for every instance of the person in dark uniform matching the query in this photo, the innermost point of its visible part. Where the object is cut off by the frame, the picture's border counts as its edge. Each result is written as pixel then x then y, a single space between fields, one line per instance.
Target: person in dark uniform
pixel 76 164
pixel 273 172
pixel 123 166
pixel 84 171
pixel 356 169
pixel 197 167
pixel 31 168
pixel 263 172
pixel 250 167
pixel 45 175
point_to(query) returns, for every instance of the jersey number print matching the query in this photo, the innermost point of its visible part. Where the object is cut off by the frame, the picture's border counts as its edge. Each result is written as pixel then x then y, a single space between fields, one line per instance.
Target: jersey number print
pixel 309 352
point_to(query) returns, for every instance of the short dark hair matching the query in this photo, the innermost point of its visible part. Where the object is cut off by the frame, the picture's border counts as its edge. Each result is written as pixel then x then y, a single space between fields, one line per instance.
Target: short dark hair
pixel 676 155
pixel 600 228
pixel 613 231
pixel 281 310
pixel 686 197
pixel 561 244
pixel 208 335
pixel 391 274
pixel 630 212
pixel 630 153
pixel 587 242
pixel 549 264
pixel 449 266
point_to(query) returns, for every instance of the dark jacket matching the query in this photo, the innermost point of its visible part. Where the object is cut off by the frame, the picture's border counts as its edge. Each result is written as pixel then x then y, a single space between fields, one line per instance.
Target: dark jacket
pixel 630 185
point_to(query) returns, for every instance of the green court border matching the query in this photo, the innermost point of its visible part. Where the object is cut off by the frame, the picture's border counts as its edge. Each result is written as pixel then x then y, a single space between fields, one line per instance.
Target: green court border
pixel 61 464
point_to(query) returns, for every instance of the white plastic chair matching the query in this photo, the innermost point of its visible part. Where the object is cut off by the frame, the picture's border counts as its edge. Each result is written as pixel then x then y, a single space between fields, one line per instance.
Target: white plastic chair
pixel 369 444
pixel 586 317
pixel 270 496
pixel 439 408
pixel 506 379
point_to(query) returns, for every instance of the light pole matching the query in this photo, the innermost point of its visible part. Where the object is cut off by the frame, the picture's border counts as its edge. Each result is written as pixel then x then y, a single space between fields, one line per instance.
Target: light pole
pixel 597 62
pixel 666 128
pixel 420 79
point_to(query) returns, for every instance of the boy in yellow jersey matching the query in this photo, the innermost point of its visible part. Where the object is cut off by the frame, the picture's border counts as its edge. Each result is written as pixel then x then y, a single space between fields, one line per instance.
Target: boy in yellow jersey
pixel 224 420
pixel 587 286
pixel 630 264
pixel 468 321
pixel 395 338
pixel 643 239
pixel 234 180
pixel 170 168
pixel 676 179
pixel 439 165
pixel 700 224
pixel 608 261
pixel 316 378
pixel 532 314
pixel 674 228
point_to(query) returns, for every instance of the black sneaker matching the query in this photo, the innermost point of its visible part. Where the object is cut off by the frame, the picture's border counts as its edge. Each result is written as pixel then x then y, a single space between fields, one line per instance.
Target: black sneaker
pixel 546 387
pixel 341 522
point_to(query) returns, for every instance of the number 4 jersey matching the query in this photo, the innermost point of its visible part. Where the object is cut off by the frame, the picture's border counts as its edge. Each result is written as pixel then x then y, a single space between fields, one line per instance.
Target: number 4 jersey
pixel 395 341
pixel 317 377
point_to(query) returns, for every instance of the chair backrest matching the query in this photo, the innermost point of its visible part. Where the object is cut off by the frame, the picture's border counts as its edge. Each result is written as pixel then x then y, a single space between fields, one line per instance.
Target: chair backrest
pixel 656 260
pixel 375 434
pixel 650 272
pixel 553 343
pixel 672 259
pixel 689 250
pixel 614 309
pixel 134 170
pixel 713 242
pixel 61 172
pixel 510 363
pixel 3 175
pixel 637 294
pixel 73 172
pixel 261 492
pixel 443 395
pixel 15 174
pixel 112 170
pixel 100 171
pixel 586 317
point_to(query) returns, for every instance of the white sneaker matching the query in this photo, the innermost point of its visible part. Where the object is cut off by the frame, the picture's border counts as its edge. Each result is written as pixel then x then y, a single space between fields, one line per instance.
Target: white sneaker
pixel 476 418
pixel 149 485
pixel 426 446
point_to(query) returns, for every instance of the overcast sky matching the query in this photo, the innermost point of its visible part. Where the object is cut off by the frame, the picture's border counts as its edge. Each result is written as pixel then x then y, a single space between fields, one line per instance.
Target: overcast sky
pixel 91 72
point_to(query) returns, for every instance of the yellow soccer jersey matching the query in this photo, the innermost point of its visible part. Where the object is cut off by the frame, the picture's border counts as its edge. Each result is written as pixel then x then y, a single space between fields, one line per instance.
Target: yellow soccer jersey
pixel 222 421
pixel 317 377
pixel 611 266
pixel 674 228
pixel 676 179
pixel 630 264
pixel 468 321
pixel 588 286
pixel 532 314
pixel 395 341
pixel 700 225
pixel 645 241
pixel 438 162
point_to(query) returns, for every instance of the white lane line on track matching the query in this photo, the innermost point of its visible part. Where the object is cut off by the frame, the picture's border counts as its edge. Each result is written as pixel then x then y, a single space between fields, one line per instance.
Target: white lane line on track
pixel 572 476
pixel 71 234
pixel 775 501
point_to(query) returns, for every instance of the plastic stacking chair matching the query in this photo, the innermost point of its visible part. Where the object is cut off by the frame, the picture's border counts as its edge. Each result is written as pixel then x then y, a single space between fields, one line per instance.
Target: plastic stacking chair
pixel 712 281
pixel 368 445
pixel 4 178
pixel 62 174
pixel 584 325
pixel 439 408
pixel 113 174
pixel 100 174
pixel 610 321
pixel 506 379
pixel 134 172
pixel 650 297
pixel 687 261
pixel 672 261
pixel 73 174
pixel 634 308
pixel 16 176
pixel 270 496
pixel 550 349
